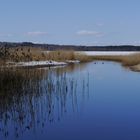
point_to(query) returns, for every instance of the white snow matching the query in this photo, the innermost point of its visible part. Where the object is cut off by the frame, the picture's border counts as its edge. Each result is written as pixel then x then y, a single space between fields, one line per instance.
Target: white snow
pixel 73 61
pixel 97 53
pixel 41 63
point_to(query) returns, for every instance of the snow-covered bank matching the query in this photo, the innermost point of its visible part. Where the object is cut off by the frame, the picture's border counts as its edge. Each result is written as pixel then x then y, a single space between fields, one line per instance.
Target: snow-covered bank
pixel 72 61
pixel 111 53
pixel 35 64
pixel 40 63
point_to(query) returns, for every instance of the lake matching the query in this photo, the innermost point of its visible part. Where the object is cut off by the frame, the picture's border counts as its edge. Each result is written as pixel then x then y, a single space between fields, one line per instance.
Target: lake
pixel 108 53
pixel 91 101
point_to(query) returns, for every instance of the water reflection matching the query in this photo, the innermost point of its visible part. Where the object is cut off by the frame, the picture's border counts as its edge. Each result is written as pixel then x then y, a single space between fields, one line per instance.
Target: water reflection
pixel 31 98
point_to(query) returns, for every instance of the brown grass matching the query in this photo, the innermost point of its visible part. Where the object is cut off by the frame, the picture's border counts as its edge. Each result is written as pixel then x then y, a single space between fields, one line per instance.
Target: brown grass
pixel 127 60
pixel 60 55
pixel 26 54
pixel 131 60
pixel 20 54
pixel 83 57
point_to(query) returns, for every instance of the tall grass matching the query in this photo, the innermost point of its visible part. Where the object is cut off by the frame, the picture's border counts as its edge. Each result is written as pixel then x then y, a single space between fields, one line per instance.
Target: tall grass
pixel 20 54
pixel 127 60
pixel 26 54
pixel 131 60
pixel 60 55
pixel 83 57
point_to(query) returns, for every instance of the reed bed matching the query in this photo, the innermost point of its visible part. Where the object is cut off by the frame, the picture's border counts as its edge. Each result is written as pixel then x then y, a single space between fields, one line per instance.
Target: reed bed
pixel 60 55
pixel 20 54
pixel 127 60
pixel 24 54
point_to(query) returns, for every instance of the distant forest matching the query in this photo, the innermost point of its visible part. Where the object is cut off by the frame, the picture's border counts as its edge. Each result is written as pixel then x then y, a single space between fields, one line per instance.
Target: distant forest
pixel 52 47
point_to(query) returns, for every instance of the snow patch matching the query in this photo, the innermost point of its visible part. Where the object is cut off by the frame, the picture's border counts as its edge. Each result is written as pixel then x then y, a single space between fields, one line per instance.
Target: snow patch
pixel 73 61
pixel 40 63
pixel 111 53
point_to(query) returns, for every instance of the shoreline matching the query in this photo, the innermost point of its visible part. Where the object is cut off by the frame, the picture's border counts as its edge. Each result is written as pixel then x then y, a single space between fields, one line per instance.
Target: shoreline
pixel 64 58
pixel 39 64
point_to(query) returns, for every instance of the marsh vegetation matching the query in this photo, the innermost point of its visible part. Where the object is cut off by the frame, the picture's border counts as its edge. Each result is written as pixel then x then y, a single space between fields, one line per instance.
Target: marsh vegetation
pixel 10 56
pixel 126 60
pixel 26 54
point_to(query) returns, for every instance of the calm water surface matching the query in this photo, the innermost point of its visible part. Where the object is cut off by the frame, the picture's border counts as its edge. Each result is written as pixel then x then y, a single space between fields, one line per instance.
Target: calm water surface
pixel 87 102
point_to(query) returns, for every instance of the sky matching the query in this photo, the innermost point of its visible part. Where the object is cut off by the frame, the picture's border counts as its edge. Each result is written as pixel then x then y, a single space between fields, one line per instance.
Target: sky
pixel 72 22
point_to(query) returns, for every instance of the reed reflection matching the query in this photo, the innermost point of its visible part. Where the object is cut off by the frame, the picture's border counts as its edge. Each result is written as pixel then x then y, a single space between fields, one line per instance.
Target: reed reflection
pixel 31 98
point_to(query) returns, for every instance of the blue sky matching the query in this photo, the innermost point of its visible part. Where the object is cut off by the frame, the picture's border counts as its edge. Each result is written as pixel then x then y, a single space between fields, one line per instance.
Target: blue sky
pixel 79 22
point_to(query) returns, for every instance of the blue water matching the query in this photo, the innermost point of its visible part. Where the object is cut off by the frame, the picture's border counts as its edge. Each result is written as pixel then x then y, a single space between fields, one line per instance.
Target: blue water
pixel 87 102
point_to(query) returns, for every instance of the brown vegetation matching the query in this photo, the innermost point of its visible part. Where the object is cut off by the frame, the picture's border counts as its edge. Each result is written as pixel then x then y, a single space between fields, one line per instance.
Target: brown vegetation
pixel 127 60
pixel 20 54
pixel 83 57
pixel 25 54
pixel 61 55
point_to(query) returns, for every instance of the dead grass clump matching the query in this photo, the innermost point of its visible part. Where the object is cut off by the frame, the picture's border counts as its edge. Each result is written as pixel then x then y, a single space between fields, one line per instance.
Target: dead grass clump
pixel 83 57
pixel 107 58
pixel 26 54
pixel 61 55
pixel 127 60
pixel 131 60
pixel 20 54
pixel 2 62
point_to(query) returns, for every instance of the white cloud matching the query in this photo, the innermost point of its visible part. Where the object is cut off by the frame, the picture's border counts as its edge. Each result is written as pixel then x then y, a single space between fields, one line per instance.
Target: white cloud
pixel 36 33
pixel 89 33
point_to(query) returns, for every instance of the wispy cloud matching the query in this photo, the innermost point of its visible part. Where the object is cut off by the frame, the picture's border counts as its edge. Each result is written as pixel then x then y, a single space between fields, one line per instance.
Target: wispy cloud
pixel 36 33
pixel 100 24
pixel 89 33
pixel 6 35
